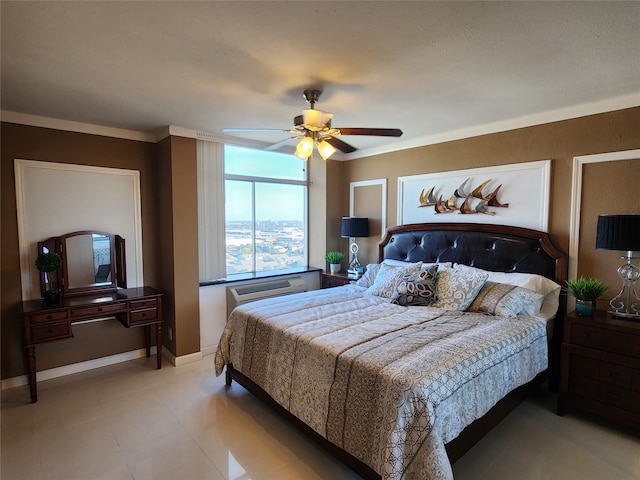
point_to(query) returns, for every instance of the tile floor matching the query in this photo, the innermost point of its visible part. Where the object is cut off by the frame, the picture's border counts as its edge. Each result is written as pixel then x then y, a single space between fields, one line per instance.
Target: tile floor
pixel 130 421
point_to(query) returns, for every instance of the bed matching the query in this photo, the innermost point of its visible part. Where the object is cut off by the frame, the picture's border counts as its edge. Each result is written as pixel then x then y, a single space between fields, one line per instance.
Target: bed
pixel 399 373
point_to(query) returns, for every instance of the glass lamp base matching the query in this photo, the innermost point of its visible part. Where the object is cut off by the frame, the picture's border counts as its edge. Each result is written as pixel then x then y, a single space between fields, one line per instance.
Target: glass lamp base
pixel 627 303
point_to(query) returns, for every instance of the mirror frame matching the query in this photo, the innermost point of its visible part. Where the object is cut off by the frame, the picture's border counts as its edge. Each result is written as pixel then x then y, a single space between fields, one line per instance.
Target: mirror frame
pixel 118 262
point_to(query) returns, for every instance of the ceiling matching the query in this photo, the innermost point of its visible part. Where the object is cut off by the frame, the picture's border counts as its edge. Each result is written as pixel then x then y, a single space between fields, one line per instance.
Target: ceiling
pixel 437 70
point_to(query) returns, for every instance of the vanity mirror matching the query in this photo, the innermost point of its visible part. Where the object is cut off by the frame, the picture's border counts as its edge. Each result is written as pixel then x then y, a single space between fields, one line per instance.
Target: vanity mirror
pixel 92 261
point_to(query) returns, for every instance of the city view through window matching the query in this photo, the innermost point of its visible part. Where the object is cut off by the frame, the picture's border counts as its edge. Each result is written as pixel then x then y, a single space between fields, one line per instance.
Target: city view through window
pixel 264 219
pixel 278 245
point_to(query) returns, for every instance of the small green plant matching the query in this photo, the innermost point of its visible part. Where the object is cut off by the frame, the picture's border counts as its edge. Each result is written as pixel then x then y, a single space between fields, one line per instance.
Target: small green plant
pixel 589 289
pixel 48 262
pixel 334 257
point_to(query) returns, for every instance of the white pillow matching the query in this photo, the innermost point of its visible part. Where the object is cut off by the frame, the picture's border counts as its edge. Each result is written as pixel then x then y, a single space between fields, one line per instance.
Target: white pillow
pixel 398 263
pixel 425 265
pixel 456 289
pixel 370 273
pixel 388 276
pixel 532 281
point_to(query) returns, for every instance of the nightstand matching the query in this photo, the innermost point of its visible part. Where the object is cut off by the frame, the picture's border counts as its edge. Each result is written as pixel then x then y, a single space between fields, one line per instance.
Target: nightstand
pixel 335 279
pixel 600 367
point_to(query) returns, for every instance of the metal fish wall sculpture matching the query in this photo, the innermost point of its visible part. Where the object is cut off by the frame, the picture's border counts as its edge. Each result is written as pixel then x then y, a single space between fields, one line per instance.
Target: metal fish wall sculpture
pixel 474 202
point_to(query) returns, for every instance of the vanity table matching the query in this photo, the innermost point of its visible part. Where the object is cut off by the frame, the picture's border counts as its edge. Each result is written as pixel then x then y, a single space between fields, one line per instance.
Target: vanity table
pixel 133 307
pixel 87 255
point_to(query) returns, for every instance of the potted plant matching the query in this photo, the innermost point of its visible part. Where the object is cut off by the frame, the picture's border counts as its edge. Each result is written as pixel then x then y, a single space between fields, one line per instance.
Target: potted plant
pixel 586 290
pixel 48 263
pixel 334 259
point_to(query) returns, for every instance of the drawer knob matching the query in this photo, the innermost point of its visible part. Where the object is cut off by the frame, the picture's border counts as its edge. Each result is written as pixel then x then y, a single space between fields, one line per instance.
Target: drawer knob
pixel 49 317
pixel 99 309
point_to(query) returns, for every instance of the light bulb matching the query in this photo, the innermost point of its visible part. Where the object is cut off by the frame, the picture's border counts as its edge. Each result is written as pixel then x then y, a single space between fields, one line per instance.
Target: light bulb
pixel 304 148
pixel 325 149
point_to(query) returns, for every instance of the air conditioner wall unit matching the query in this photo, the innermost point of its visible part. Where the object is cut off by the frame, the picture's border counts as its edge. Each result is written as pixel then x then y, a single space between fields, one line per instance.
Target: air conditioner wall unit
pixel 250 292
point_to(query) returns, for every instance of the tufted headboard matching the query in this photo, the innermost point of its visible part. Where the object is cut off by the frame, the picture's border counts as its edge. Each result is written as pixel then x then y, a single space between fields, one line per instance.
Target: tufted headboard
pixel 498 248
pixel 491 247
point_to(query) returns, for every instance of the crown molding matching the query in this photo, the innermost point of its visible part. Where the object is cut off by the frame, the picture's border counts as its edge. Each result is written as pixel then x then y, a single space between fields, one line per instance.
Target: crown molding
pixel 576 111
pixel 79 127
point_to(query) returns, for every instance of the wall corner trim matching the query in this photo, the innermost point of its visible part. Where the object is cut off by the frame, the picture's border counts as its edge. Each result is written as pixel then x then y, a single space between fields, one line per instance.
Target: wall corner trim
pixel 576 202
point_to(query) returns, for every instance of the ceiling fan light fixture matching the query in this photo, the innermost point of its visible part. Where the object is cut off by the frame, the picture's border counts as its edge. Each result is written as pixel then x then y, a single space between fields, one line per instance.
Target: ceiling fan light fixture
pixel 314 128
pixel 325 149
pixel 301 156
pixel 316 118
pixel 304 148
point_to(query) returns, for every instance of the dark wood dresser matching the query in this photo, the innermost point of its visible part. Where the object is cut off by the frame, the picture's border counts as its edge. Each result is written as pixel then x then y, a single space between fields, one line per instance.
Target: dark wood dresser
pixel 600 367
pixel 335 279
pixel 133 307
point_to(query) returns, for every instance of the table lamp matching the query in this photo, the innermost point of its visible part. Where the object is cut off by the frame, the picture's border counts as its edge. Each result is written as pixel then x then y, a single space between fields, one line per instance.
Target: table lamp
pixel 622 232
pixel 353 227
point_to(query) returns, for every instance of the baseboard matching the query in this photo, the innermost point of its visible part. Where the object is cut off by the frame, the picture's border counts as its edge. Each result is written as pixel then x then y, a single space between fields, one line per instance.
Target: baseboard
pixel 183 359
pixel 77 367
pixel 210 350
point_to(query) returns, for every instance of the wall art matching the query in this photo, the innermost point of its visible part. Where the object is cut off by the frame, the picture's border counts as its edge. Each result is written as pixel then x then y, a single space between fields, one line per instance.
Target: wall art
pixel 515 194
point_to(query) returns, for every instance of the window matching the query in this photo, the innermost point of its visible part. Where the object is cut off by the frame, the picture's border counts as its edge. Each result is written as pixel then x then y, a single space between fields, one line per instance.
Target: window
pixel 265 211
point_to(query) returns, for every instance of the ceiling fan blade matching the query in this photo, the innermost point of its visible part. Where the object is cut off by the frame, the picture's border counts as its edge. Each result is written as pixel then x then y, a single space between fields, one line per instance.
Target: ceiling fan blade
pixel 379 132
pixel 238 130
pixel 339 144
pixel 275 146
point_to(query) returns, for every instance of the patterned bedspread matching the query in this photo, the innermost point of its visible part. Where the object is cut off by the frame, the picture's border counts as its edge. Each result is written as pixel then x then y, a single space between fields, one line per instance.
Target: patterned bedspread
pixel 388 384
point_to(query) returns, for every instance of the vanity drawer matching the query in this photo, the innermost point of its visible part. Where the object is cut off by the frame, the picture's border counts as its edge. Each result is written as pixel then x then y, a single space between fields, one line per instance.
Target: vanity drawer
pixel 141 304
pixel 49 317
pixel 143 316
pixel 53 331
pixel 99 310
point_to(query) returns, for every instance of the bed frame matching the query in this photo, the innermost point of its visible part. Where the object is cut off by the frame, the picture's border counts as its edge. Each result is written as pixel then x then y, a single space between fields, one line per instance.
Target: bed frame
pixel 490 247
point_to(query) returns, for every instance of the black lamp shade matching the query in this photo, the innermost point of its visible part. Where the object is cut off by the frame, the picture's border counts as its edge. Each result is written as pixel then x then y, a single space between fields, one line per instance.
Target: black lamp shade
pixel 354 227
pixel 618 232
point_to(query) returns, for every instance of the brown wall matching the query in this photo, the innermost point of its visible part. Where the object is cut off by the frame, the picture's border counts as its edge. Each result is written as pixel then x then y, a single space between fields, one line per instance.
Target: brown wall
pixel 607 188
pixel 169 210
pixel 558 141
pixel 33 143
pixel 184 252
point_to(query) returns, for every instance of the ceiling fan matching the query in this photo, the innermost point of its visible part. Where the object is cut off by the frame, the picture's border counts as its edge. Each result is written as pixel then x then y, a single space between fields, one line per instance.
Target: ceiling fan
pixel 313 127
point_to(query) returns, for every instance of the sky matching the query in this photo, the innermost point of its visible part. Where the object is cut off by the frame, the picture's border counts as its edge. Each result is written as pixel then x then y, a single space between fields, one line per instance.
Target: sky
pixel 273 202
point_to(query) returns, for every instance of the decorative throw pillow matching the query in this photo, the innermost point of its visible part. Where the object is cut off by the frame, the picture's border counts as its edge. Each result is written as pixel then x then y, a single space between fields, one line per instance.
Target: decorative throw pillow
pixel 531 281
pixel 385 283
pixel 457 289
pixel 505 300
pixel 417 289
pixel 369 276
